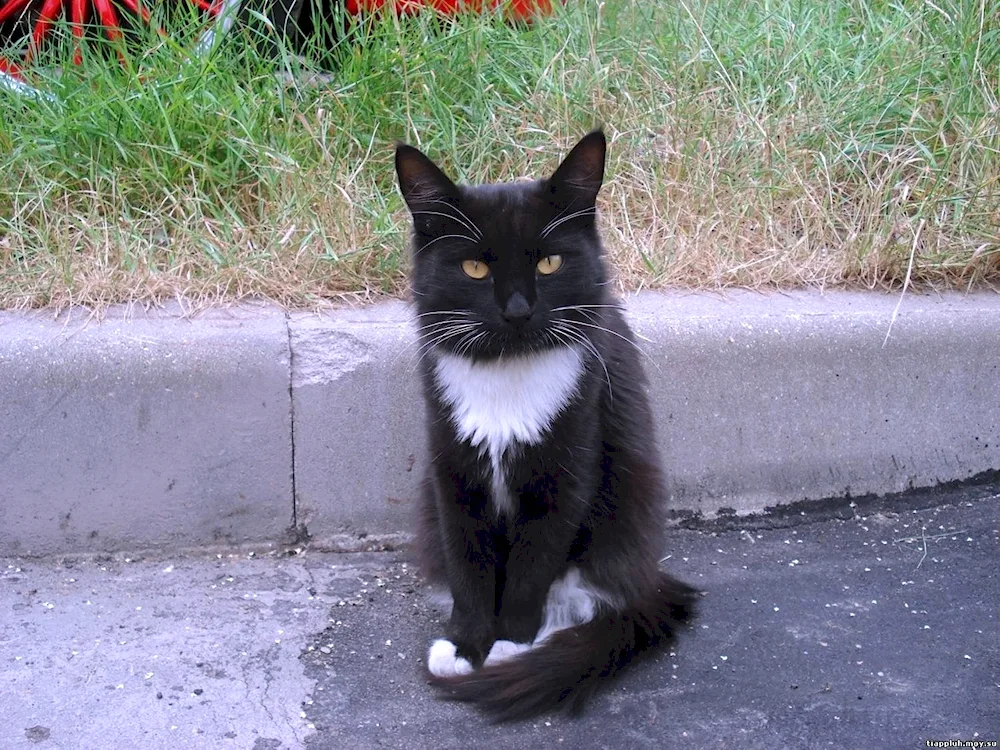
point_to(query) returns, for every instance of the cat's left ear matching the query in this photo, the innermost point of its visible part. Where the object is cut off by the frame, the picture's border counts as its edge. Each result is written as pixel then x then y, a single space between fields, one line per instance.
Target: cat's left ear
pixel 420 180
pixel 581 174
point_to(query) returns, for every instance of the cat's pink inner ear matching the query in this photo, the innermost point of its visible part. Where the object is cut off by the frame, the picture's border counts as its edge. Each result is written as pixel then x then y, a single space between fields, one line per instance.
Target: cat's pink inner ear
pixel 582 171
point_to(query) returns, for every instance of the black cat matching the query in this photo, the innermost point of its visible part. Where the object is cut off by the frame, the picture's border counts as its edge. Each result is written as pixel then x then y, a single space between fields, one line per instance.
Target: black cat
pixel 542 510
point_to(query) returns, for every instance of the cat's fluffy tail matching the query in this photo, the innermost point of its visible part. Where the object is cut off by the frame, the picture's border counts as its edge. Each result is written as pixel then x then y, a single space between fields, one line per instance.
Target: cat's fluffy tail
pixel 565 669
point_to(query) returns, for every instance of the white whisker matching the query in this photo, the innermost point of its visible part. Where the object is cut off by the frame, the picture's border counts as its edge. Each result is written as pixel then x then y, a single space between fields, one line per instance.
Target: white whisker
pixel 442 329
pixel 555 223
pixel 471 225
pixel 428 346
pixel 556 218
pixel 464 348
pixel 444 312
pixel 581 338
pixel 444 237
pixel 465 222
pixel 581 307
pixel 613 333
pixel 429 335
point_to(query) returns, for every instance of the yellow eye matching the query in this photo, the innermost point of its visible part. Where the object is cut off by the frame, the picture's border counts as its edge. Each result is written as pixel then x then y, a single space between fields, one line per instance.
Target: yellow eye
pixel 475 269
pixel 549 264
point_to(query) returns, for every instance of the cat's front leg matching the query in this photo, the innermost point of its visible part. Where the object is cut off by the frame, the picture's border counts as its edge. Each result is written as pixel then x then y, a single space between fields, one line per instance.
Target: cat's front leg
pixel 473 623
pixel 471 630
pixel 470 555
pixel 537 557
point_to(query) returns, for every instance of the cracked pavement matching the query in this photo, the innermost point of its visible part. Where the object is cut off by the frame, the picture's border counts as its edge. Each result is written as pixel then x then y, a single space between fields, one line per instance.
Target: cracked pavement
pixel 878 629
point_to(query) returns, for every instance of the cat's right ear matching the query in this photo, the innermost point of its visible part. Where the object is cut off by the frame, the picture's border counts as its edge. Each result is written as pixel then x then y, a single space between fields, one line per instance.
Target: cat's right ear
pixel 420 180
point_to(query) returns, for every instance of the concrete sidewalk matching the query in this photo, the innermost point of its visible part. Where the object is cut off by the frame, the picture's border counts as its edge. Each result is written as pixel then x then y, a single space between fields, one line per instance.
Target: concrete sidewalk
pixel 250 425
pixel 874 629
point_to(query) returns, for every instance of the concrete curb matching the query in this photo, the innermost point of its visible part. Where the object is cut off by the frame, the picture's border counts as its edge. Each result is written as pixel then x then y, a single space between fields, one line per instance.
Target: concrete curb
pixel 250 425
pixel 146 431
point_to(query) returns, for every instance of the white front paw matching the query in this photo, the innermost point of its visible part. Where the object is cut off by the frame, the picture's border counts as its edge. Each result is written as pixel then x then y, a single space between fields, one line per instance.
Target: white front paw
pixel 504 651
pixel 443 661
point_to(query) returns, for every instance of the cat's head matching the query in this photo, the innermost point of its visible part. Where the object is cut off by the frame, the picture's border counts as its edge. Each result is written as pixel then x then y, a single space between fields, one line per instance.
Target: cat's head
pixel 509 268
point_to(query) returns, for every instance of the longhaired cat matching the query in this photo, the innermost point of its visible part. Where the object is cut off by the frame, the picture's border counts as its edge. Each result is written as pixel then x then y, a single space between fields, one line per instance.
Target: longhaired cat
pixel 542 510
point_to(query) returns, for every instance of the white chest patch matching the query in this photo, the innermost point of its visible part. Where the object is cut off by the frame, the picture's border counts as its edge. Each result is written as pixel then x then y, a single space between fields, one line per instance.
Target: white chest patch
pixel 497 405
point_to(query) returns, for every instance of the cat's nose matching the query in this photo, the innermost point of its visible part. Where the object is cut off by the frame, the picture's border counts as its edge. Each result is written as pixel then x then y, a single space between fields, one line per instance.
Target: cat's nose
pixel 517 310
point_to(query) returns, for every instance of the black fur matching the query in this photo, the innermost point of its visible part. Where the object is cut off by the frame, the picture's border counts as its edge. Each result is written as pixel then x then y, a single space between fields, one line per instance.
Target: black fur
pixel 572 664
pixel 591 493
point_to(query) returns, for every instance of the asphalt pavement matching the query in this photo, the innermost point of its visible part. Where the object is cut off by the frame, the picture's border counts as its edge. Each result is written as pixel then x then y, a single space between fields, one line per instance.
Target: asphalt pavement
pixel 861 626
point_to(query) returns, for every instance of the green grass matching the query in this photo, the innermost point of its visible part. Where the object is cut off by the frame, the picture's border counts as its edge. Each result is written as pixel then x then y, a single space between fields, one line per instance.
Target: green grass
pixel 754 143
